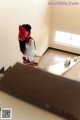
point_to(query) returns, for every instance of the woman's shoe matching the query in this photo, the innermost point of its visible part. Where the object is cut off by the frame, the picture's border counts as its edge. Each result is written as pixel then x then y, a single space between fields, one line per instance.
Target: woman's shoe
pixel 25 61
pixel 33 63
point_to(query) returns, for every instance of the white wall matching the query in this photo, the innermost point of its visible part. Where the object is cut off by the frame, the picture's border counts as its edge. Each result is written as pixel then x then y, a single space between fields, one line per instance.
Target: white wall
pixel 65 18
pixel 15 12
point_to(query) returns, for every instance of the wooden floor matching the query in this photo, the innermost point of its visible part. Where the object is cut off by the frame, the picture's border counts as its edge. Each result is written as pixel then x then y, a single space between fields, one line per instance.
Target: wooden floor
pixel 52 57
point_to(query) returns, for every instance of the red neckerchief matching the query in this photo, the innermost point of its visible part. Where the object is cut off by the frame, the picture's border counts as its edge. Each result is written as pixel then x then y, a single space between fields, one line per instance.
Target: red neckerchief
pixel 27 39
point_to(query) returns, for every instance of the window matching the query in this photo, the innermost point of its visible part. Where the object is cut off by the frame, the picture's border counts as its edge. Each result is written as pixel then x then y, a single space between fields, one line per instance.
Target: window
pixel 67 39
pixel 75 41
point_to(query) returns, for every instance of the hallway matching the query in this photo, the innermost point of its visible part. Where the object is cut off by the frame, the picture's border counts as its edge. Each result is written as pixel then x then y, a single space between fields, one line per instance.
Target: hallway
pixel 53 57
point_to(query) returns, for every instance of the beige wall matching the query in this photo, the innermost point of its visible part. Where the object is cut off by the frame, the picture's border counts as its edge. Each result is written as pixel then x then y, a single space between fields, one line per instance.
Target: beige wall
pixel 65 18
pixel 15 12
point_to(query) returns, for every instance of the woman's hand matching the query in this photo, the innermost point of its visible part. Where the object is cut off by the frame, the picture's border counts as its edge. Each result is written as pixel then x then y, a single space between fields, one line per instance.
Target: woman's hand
pixel 37 55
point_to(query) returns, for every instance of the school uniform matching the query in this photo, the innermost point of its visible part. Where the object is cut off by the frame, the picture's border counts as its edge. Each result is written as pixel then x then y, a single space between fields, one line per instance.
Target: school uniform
pixel 30 48
pixel 27 46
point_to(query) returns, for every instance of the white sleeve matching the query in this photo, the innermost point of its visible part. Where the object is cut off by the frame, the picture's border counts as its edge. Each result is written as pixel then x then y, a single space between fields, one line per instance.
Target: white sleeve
pixel 32 47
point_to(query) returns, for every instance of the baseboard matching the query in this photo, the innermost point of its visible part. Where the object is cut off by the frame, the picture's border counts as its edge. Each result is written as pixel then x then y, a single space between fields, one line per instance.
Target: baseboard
pixel 64 51
pixel 2 70
pixel 45 51
pixel 8 69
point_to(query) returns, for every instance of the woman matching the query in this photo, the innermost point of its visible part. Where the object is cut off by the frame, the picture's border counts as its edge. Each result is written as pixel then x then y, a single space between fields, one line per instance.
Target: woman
pixel 29 47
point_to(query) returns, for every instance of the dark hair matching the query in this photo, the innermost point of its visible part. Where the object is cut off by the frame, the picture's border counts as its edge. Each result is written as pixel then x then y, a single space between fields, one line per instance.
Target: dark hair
pixel 27 27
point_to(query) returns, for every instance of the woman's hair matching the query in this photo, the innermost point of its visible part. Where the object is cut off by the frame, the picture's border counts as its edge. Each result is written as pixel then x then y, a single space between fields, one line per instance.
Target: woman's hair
pixel 27 27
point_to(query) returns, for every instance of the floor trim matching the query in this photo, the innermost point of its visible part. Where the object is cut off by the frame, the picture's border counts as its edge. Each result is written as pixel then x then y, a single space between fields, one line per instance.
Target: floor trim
pixel 64 51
